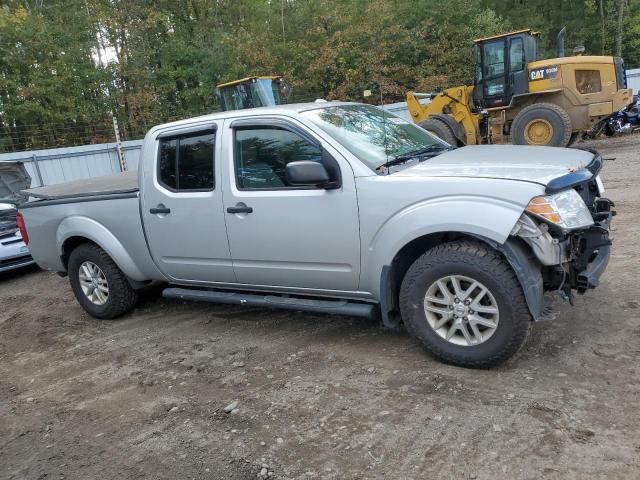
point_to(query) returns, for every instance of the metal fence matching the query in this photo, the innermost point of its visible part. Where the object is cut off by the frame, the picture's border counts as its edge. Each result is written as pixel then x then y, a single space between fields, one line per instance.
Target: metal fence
pixel 58 165
pixel 633 80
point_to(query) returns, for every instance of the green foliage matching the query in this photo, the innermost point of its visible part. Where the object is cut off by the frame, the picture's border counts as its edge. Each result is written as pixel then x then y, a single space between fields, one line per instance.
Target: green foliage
pixel 67 65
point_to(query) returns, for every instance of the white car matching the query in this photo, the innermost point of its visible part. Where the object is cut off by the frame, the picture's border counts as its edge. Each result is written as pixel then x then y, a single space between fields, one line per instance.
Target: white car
pixel 14 253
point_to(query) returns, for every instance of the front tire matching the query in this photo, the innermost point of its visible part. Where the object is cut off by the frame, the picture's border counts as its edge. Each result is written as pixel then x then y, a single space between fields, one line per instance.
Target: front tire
pixel 543 124
pixel 98 284
pixel 463 301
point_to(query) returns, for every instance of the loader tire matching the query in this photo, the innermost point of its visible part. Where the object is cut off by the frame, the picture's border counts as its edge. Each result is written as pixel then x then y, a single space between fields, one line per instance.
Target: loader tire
pixel 98 284
pixel 542 124
pixel 440 130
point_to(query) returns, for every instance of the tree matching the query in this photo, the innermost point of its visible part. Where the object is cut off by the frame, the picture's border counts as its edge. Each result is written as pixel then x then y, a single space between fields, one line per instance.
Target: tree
pixel 67 65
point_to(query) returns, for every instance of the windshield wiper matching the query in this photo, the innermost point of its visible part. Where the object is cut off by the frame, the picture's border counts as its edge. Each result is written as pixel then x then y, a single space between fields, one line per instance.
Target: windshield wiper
pixel 415 154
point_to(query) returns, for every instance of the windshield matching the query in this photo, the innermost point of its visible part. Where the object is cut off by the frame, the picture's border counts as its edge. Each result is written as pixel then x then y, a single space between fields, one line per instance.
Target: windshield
pixel 372 134
pixel 270 89
pixel 262 92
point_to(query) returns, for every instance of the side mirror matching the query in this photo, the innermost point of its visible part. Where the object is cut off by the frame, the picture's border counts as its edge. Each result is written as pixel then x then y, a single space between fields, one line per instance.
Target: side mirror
pixel 307 173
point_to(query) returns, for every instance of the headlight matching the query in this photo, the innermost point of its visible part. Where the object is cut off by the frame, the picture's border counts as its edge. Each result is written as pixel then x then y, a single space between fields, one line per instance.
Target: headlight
pixel 565 209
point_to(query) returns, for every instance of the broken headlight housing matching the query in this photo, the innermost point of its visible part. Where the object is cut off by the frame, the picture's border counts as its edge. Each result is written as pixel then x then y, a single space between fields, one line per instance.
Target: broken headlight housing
pixel 565 209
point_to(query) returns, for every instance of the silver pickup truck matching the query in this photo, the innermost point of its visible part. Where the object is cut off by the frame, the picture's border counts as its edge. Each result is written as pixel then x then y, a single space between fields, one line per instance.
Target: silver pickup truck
pixel 336 208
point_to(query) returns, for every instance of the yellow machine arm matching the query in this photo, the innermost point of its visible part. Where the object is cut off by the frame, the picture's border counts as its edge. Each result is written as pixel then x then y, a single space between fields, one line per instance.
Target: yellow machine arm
pixel 455 102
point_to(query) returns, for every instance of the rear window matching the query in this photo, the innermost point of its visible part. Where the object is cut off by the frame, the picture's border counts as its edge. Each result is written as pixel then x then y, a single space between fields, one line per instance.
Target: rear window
pixel 186 162
pixel 588 81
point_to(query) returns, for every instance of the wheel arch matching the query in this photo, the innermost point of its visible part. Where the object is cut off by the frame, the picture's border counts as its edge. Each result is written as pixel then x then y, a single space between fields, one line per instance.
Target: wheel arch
pixel 518 255
pixel 74 231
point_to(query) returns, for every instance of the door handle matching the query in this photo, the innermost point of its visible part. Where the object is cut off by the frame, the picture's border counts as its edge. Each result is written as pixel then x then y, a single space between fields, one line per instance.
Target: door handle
pixel 160 209
pixel 240 208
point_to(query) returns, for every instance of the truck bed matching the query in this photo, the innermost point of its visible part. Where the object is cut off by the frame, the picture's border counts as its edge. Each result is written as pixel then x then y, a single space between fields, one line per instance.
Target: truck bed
pixel 112 184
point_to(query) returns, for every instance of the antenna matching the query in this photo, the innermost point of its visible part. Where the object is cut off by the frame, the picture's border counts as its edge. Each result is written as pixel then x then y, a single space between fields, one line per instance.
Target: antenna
pixel 384 129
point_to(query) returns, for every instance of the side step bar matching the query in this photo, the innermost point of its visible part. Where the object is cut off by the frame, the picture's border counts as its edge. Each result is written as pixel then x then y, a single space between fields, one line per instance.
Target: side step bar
pixel 338 307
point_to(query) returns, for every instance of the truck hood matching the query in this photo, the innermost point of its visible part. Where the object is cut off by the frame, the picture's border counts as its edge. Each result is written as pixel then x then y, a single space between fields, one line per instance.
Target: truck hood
pixel 13 178
pixel 511 162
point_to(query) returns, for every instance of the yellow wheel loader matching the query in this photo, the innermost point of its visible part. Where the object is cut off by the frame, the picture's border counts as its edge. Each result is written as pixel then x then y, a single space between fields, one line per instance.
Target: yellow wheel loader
pixel 519 99
pixel 250 92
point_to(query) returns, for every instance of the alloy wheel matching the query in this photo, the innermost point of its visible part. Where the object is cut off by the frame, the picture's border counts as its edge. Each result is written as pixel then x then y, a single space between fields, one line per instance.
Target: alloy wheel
pixel 461 310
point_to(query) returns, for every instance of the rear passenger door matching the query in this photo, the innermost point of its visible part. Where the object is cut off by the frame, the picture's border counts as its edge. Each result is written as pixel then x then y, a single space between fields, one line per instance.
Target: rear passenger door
pixel 182 207
pixel 281 235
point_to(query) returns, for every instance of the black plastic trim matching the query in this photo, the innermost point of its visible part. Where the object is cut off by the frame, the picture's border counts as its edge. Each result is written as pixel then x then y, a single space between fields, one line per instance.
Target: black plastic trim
pixel 388 310
pixel 574 179
pixel 177 136
pixel 249 123
pixel 570 180
pixel 88 198
pixel 528 271
pixel 238 209
pixel 590 277
pixel 159 210
pixel 339 306
pixel 596 163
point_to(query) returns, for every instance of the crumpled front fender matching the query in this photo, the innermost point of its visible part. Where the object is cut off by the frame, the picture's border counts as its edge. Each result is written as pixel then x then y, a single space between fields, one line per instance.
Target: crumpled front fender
pixel 476 216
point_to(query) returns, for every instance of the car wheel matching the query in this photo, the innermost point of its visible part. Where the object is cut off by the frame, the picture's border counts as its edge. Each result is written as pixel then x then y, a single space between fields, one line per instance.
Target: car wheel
pixel 463 301
pixel 99 285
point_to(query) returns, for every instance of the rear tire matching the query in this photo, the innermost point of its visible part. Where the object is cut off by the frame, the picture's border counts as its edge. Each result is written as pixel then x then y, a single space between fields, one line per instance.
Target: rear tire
pixel 543 124
pixel 98 284
pixel 440 130
pixel 490 338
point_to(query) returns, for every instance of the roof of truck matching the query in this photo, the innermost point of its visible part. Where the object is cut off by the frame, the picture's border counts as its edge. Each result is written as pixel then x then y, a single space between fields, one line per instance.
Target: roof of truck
pixel 247 112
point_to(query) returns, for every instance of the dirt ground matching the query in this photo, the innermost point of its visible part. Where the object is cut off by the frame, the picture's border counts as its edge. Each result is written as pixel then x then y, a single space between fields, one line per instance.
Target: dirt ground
pixel 319 396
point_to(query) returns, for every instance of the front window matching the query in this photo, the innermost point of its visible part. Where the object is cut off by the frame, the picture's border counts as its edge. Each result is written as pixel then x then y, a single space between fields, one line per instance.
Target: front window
pixel 373 135
pixel 262 155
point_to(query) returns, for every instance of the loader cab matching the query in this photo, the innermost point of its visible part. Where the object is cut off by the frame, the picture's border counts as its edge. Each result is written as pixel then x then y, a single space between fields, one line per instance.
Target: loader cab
pixel 501 67
pixel 250 92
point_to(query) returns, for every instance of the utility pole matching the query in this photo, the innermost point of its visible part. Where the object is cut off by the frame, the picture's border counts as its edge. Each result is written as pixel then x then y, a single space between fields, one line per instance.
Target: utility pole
pixel 121 158
pixel 282 18
pixel 602 36
pixel 619 33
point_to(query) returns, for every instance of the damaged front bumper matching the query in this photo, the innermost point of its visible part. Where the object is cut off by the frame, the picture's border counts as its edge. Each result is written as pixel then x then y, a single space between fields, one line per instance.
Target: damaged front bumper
pixel 551 261
pixel 590 249
pixel 572 260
